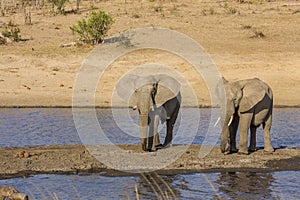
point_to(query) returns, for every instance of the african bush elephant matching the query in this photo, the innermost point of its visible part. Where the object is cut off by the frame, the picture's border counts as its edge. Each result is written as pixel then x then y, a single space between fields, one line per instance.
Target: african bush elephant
pixel 157 97
pixel 248 104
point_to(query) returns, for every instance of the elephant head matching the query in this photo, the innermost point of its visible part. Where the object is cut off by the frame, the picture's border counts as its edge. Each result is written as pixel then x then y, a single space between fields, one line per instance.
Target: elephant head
pixel 147 94
pixel 240 97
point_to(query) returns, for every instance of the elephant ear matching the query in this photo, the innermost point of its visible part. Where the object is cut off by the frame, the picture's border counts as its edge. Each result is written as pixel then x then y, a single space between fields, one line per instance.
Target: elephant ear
pixel 220 90
pixel 128 84
pixel 167 88
pixel 133 101
pixel 253 92
pixel 126 89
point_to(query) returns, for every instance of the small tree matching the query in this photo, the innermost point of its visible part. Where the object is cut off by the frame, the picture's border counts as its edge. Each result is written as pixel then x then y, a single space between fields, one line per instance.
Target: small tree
pixel 94 29
pixel 12 33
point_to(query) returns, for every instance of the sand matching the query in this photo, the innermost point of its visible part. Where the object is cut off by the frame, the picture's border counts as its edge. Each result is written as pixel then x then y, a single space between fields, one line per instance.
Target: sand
pixel 38 72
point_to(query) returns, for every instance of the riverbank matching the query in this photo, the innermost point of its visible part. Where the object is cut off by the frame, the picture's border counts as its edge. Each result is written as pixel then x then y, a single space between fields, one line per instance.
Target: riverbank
pixel 245 40
pixel 75 159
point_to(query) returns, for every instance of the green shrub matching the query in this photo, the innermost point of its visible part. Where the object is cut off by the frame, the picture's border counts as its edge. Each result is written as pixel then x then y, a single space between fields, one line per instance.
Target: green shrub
pixel 93 30
pixel 12 33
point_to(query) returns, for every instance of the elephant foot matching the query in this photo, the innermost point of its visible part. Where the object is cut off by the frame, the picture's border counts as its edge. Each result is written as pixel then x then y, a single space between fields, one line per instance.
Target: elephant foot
pixel 159 146
pixel 233 151
pixel 251 149
pixel 269 149
pixel 166 145
pixel 223 150
pixel 229 150
pixel 243 152
pixel 151 150
pixel 144 147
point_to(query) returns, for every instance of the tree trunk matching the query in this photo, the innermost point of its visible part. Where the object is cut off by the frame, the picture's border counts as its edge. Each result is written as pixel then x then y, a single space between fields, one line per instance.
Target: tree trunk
pixel 27 16
pixel 77 5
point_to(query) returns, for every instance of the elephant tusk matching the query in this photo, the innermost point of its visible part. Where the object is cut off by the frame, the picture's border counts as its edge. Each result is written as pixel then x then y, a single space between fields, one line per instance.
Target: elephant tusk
pixel 217 121
pixel 152 108
pixel 230 120
pixel 134 107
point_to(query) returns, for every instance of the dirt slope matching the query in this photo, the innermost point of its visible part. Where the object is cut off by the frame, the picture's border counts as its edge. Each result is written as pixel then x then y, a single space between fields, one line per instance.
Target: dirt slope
pixel 245 40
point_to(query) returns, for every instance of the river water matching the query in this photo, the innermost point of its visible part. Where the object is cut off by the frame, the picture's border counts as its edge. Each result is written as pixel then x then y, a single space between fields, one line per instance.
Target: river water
pixel 55 126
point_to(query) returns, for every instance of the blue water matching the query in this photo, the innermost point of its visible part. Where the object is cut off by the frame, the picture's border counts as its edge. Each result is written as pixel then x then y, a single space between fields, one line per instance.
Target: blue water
pixel 233 185
pixel 51 126
pixel 55 126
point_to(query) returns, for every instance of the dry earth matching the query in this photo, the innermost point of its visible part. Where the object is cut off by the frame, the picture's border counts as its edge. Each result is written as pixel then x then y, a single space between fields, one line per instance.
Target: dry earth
pixel 76 159
pixel 38 72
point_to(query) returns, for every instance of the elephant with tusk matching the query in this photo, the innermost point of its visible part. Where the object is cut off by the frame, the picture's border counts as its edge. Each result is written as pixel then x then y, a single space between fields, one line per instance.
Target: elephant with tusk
pixel 157 98
pixel 247 104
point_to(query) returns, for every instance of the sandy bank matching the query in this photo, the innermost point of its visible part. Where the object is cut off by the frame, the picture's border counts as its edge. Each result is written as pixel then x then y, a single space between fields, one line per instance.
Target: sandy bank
pixel 39 72
pixel 74 159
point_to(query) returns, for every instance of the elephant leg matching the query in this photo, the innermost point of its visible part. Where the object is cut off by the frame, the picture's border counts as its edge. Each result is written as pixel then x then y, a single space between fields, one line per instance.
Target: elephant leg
pixel 170 126
pixel 169 135
pixel 151 133
pixel 233 131
pixel 143 138
pixel 150 143
pixel 267 136
pixel 143 131
pixel 252 146
pixel 245 121
pixel 155 131
pixel 153 137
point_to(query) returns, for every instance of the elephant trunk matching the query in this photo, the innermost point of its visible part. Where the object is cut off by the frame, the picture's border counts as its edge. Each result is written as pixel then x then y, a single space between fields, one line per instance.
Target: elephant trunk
pixel 143 130
pixel 227 119
pixel 225 135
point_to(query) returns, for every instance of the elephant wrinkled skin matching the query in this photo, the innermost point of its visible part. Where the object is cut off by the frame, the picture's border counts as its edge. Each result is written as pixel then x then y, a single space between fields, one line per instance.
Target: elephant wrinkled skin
pixel 247 104
pixel 157 98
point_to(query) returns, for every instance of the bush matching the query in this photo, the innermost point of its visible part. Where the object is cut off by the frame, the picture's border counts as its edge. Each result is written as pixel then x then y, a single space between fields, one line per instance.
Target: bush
pixel 12 33
pixel 94 29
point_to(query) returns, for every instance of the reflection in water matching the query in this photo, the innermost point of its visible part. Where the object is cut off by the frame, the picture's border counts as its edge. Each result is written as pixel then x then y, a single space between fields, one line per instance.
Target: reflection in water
pixel 236 185
pixel 154 186
pixel 245 185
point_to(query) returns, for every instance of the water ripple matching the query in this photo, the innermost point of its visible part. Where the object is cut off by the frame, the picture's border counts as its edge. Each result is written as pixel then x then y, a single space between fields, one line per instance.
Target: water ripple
pixel 55 126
